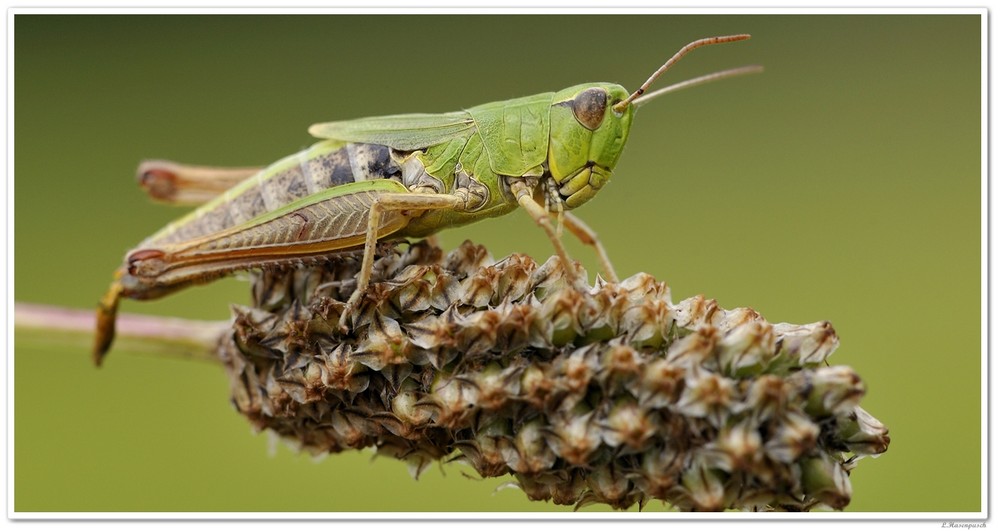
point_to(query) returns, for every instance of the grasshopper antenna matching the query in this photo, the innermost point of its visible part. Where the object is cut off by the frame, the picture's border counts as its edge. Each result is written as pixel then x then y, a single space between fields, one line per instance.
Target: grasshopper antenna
pixel 620 106
pixel 707 78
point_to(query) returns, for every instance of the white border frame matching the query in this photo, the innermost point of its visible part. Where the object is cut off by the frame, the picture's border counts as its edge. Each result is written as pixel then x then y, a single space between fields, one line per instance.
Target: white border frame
pixel 960 519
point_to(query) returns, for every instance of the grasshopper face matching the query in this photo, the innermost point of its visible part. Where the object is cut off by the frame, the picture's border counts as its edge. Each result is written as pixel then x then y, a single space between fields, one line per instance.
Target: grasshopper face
pixel 586 138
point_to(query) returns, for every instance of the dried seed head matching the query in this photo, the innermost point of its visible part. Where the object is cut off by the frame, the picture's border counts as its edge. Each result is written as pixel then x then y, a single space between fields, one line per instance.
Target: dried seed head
pixel 767 397
pixel 385 345
pixel 453 401
pixel 696 312
pixel 628 425
pixel 563 311
pixel 574 435
pixel 514 280
pixel 707 395
pixel 567 488
pixel 495 385
pixel 646 321
pixel 406 409
pixel 528 453
pixel 807 345
pixel 611 394
pixel 534 487
pixel 621 361
pixel 659 472
pixel 571 375
pixel 836 390
pixel 694 350
pixel 659 385
pixel 411 291
pixel 748 346
pixel 739 447
pixel 705 488
pixel 485 451
pixel 537 386
pixel 518 327
pixel 862 433
pixel 829 390
pixel 794 436
pixel 607 484
pixel 352 430
pixel 826 480
pixel 478 289
pixel 434 337
pixel 342 373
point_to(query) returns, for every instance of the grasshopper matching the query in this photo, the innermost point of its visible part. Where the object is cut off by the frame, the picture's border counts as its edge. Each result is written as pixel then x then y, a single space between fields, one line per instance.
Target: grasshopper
pixel 385 178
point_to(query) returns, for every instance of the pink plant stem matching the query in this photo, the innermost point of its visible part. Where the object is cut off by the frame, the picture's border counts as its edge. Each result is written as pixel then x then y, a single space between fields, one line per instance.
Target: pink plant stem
pixel 173 336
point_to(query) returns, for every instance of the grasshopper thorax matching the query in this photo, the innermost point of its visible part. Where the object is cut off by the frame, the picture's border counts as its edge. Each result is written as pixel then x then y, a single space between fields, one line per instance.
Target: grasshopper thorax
pixel 586 138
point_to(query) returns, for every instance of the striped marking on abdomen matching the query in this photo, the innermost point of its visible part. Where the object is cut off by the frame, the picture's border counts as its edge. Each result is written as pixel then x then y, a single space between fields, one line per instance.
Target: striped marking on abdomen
pixel 319 167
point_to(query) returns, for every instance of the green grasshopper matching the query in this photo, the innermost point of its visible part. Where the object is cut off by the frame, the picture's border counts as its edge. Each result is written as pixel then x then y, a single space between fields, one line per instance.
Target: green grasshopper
pixel 386 178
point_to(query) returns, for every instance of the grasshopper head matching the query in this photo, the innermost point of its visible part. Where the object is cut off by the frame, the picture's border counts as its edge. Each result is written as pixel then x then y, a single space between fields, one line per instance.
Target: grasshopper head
pixel 589 125
pixel 586 138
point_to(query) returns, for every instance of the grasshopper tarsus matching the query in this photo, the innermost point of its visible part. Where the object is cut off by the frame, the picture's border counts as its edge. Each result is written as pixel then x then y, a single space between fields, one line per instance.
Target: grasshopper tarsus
pixel 352 304
pixel 107 311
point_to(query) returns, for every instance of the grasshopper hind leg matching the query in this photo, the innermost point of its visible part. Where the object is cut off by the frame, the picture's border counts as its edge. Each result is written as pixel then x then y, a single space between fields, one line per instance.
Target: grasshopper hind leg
pixel 107 311
pixel 185 184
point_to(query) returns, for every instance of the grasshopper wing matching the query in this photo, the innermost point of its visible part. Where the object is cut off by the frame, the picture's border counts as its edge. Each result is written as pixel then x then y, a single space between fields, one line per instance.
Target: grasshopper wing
pixel 330 220
pixel 405 132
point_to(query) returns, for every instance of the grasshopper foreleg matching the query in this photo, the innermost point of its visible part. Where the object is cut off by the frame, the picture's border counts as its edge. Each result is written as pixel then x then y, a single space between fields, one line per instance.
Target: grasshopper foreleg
pixel 587 236
pixel 522 192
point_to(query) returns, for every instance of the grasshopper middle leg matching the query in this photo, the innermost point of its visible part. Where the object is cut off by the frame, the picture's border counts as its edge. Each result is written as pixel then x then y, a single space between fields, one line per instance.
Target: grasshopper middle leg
pixel 391 203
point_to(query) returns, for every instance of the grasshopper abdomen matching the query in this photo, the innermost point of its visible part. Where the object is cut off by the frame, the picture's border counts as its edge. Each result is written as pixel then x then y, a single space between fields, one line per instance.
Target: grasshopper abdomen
pixel 320 167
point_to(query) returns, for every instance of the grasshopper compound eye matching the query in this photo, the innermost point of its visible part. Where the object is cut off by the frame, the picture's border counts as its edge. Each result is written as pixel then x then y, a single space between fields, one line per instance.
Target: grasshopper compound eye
pixel 589 107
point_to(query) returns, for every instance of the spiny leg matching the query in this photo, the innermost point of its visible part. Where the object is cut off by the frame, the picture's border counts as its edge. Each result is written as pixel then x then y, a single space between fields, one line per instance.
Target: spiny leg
pixel 185 184
pixel 523 195
pixel 329 222
pixel 174 183
pixel 587 236
pixel 388 203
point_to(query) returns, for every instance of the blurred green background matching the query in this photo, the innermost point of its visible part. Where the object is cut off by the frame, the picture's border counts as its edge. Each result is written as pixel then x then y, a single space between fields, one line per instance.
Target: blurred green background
pixel 842 184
